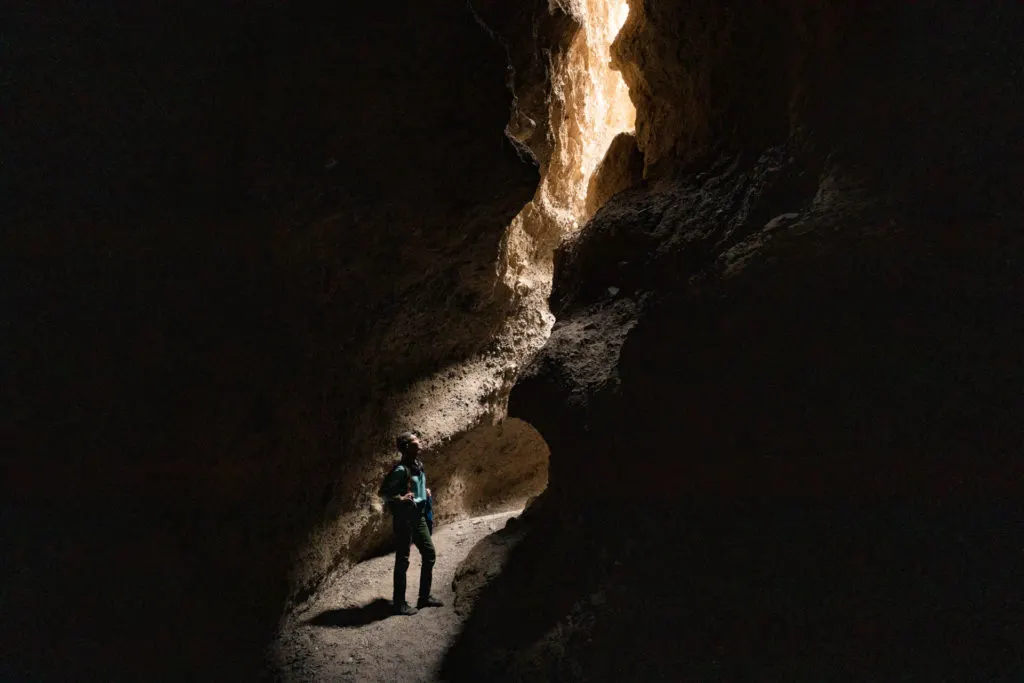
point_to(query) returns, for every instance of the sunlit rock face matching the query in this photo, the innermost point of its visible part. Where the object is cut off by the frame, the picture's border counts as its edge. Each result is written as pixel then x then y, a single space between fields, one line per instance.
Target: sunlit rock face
pixel 781 394
pixel 586 106
pixel 244 231
pixel 594 108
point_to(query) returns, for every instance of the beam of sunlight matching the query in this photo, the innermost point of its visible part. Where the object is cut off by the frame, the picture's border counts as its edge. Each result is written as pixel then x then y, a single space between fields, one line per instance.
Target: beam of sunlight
pixel 596 107
pixel 590 105
pixel 607 109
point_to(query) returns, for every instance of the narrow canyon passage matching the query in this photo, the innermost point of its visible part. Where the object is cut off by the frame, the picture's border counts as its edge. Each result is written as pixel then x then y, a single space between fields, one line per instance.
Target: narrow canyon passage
pixel 588 107
pixel 729 291
pixel 482 462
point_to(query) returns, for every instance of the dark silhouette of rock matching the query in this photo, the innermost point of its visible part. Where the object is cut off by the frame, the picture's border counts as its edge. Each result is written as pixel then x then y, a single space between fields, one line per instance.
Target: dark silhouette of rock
pixel 237 230
pixel 785 449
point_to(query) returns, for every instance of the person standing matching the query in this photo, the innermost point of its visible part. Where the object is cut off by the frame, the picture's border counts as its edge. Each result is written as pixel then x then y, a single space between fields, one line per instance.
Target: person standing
pixel 407 497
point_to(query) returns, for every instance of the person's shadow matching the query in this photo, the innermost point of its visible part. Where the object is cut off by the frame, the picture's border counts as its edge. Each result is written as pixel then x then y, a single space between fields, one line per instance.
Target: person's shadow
pixel 354 616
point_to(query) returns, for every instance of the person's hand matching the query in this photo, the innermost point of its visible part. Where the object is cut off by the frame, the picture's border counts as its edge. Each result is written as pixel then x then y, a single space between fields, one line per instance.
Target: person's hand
pixel 428 493
pixel 407 496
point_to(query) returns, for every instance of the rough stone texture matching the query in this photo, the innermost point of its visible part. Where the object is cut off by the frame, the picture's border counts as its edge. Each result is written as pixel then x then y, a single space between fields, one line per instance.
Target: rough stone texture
pixel 490 468
pixel 532 32
pixel 239 231
pixel 706 74
pixel 783 393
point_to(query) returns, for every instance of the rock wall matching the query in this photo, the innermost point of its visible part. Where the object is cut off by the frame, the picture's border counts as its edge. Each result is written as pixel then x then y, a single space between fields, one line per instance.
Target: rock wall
pixel 239 231
pixel 783 393
pixel 533 33
pixel 706 75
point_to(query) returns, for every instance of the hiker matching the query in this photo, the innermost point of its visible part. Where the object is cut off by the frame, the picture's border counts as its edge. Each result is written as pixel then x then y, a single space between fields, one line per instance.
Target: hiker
pixel 408 499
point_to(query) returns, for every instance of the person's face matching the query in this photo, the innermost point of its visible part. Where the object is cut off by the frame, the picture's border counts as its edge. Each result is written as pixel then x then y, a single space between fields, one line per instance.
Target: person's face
pixel 415 446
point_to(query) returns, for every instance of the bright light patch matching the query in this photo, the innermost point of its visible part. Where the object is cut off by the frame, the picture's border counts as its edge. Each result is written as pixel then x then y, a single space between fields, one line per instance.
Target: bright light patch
pixel 595 107
pixel 608 110
pixel 621 14
pixel 589 106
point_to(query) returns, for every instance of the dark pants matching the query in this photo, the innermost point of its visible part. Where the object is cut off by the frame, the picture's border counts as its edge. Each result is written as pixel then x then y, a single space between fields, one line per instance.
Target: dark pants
pixel 411 529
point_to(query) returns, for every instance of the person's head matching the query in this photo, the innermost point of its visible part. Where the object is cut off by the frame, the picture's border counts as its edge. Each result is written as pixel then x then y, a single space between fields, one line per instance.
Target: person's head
pixel 409 444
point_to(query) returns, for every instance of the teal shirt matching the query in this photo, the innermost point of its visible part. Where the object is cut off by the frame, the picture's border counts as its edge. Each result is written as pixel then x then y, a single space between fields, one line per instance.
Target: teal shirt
pixel 419 488
pixel 396 483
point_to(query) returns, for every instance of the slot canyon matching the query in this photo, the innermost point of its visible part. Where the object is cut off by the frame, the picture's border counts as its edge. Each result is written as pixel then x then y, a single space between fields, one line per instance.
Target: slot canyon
pixel 710 315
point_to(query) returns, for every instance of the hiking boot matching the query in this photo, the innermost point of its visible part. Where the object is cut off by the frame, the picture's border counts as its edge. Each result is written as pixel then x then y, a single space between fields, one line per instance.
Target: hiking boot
pixel 405 610
pixel 429 601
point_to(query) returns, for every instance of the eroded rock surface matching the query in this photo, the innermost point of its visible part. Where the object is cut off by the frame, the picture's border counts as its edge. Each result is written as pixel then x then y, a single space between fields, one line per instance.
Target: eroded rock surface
pixel 782 395
pixel 241 232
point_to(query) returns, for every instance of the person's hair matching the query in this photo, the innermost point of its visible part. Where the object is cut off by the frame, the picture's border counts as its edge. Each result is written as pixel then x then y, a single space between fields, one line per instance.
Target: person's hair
pixel 403 440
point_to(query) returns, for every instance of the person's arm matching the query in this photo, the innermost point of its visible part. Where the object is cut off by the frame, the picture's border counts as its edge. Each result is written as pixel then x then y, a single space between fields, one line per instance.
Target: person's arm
pixel 393 489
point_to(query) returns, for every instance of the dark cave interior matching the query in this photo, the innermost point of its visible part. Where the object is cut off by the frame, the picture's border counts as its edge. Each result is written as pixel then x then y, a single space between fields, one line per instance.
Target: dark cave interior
pixel 779 415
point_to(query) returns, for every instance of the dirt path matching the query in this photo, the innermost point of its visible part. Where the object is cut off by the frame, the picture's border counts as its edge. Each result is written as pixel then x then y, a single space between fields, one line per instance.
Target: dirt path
pixel 349 634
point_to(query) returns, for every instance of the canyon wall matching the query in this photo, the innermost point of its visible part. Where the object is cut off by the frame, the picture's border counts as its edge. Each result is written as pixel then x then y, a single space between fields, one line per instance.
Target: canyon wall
pixel 782 395
pixel 238 232
pixel 247 241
